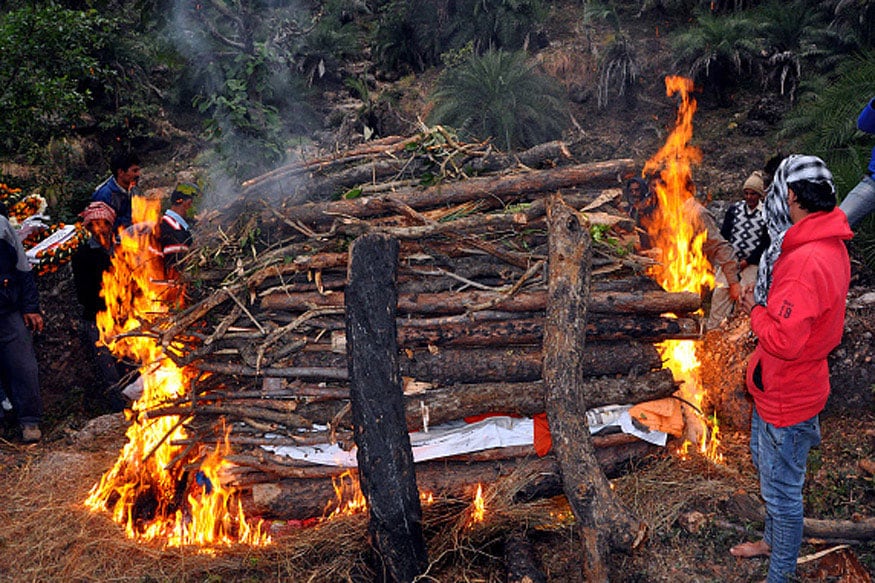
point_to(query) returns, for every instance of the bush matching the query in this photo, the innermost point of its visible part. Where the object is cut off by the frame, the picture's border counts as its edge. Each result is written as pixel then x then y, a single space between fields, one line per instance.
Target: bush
pixel 499 95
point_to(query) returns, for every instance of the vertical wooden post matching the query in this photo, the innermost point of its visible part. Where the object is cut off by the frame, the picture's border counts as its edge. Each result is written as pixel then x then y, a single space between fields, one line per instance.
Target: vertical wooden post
pixel 385 460
pixel 606 523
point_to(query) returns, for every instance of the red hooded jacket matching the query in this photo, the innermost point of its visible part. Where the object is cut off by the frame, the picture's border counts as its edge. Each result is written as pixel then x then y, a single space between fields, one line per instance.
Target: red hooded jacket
pixel 788 375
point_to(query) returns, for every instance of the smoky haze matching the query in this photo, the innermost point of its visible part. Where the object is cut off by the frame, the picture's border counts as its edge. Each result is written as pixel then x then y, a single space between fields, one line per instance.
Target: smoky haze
pixel 242 58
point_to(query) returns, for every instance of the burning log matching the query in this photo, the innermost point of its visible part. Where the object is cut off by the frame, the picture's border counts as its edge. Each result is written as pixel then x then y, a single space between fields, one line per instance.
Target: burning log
pixel 298 497
pixel 606 523
pixel 385 459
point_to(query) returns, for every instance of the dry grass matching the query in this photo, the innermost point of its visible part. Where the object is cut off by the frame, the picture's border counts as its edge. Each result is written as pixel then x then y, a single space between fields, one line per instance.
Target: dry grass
pixel 49 535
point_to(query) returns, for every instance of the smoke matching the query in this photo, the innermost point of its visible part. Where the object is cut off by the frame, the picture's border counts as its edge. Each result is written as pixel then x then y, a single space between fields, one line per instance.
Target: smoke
pixel 240 74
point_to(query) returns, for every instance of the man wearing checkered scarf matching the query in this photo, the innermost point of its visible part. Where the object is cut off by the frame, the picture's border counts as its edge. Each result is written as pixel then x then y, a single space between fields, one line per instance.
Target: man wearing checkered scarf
pixel 797 311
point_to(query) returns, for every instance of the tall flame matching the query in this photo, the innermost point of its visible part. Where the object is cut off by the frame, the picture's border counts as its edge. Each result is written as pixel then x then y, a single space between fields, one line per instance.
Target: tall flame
pixel 148 490
pixel 676 230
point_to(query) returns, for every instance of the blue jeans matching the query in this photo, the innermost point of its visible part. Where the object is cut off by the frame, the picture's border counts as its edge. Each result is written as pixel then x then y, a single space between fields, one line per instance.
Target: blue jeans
pixel 780 455
pixel 860 201
pixel 19 368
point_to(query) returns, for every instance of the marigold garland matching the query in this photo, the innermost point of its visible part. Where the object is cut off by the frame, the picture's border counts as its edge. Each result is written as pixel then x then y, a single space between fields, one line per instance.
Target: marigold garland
pixel 54 257
pixel 20 208
pixel 32 204
pixel 8 194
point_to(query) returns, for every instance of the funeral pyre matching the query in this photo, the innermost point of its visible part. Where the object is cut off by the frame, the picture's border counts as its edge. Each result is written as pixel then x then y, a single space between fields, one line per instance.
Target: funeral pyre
pixel 257 363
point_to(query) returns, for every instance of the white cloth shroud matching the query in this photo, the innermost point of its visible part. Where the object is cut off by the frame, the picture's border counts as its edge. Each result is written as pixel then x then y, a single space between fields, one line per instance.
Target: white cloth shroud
pixel 458 437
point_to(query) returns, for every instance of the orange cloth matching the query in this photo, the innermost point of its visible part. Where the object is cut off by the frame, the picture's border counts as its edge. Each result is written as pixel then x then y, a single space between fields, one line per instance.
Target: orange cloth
pixel 543 439
pixel 660 415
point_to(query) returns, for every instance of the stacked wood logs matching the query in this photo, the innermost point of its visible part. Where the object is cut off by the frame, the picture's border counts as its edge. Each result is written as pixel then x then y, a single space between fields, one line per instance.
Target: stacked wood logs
pixel 263 335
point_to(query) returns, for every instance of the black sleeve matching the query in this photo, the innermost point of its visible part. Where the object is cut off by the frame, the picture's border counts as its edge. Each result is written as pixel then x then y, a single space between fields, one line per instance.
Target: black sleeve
pixel 728 220
pixel 29 299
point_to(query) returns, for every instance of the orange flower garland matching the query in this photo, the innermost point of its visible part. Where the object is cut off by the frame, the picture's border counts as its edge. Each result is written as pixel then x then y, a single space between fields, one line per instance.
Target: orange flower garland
pixel 32 204
pixel 54 257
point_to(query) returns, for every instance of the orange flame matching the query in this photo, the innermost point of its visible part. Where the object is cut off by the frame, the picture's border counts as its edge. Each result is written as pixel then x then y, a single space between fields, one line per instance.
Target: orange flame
pixel 147 490
pixel 477 511
pixel 348 496
pixel 676 230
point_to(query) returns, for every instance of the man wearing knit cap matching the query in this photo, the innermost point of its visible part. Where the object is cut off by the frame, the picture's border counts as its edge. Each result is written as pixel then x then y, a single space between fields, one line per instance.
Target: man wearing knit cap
pixel 174 236
pixel 797 311
pixel 744 226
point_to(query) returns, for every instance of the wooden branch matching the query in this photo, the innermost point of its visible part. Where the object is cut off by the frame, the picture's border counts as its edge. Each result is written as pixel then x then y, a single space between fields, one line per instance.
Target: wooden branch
pixel 496 187
pixel 636 302
pixel 384 456
pixel 606 523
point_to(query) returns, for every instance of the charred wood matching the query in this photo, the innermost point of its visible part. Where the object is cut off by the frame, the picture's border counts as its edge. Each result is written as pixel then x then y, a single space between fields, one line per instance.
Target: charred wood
pixel 384 456
pixel 606 523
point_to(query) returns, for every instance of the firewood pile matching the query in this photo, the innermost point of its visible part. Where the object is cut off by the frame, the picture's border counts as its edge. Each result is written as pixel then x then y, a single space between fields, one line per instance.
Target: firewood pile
pixel 264 330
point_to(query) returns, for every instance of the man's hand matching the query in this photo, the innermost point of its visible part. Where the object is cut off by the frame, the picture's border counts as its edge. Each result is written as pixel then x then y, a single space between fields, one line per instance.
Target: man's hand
pixel 33 321
pixel 735 291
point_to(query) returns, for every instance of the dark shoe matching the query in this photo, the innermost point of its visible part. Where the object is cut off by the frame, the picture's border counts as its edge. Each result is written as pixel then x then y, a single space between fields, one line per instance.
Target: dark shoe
pixel 30 433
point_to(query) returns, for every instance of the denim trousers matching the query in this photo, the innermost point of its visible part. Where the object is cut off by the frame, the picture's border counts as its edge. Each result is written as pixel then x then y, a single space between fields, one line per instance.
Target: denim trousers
pixel 860 201
pixel 780 455
pixel 18 367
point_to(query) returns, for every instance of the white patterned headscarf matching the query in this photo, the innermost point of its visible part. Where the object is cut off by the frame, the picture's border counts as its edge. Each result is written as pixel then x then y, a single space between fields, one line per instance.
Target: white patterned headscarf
pixel 793 168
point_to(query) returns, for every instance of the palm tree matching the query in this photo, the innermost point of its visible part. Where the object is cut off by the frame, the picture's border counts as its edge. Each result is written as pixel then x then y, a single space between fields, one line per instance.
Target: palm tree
pixel 618 66
pixel 794 34
pixel 825 124
pixel 500 95
pixel 716 50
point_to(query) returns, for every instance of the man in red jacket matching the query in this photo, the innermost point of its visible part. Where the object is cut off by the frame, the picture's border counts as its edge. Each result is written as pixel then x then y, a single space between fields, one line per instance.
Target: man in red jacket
pixel 797 311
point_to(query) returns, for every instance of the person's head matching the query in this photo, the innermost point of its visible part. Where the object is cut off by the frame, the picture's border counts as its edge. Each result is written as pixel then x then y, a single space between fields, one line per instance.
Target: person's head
pixel 98 217
pixel 182 197
pixel 806 184
pixel 636 191
pixel 125 168
pixel 752 190
pixel 770 167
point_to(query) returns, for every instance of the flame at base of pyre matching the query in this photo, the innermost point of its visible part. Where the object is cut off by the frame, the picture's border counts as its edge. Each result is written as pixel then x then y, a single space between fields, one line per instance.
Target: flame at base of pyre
pixel 676 230
pixel 160 489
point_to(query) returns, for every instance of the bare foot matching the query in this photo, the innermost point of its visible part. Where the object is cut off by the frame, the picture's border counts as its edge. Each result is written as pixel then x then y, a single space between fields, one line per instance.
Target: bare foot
pixel 749 550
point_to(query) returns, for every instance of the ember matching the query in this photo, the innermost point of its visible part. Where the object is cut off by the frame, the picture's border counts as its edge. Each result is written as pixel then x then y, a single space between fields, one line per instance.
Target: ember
pixel 683 265
pixel 149 490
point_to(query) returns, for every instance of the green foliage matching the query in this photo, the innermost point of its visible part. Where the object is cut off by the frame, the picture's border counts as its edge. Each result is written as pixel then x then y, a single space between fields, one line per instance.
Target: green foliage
pixel 824 124
pixel 241 60
pixel 618 65
pixel 794 34
pixel 415 34
pixel 333 39
pixel 853 20
pixel 49 56
pixel 499 95
pixel 717 50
